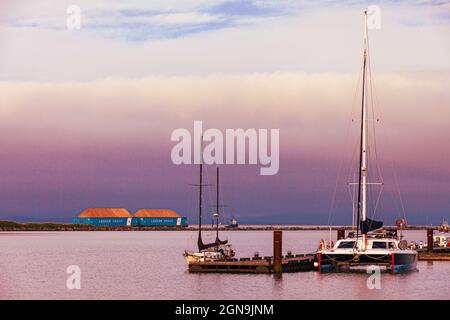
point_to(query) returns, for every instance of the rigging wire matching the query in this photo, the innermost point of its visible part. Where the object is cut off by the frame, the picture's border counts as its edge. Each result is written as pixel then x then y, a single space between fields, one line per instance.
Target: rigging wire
pixel 375 104
pixel 207 196
pixel 334 203
pixel 374 136
pixel 374 154
pixel 221 197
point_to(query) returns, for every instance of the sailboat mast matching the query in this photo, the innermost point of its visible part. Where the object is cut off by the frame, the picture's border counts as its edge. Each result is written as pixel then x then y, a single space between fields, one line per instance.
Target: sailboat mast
pixel 217 202
pixel 200 196
pixel 362 182
pixel 364 166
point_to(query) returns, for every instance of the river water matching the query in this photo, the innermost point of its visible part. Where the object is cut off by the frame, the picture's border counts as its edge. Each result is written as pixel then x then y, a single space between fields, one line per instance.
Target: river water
pixel 150 265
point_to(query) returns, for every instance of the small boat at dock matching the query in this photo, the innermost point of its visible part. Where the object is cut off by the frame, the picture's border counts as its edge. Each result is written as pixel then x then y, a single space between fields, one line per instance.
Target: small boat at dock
pixel 219 250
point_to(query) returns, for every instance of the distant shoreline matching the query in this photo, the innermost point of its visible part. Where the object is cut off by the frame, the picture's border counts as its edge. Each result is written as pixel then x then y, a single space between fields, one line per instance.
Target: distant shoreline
pixel 14 226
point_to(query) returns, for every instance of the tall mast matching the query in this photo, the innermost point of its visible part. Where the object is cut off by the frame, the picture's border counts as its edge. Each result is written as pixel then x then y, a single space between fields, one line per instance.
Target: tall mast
pixel 363 166
pixel 217 202
pixel 200 242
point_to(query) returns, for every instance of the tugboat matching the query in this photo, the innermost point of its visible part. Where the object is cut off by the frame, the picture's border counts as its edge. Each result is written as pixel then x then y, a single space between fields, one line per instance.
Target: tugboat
pixel 369 245
pixel 233 223
pixel 219 250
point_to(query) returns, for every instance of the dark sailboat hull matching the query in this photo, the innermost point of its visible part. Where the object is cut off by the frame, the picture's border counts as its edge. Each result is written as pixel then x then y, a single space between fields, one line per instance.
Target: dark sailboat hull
pixel 395 263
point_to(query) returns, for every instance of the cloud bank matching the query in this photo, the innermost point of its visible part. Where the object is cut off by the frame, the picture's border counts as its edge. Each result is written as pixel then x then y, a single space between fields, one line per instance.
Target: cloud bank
pixel 107 142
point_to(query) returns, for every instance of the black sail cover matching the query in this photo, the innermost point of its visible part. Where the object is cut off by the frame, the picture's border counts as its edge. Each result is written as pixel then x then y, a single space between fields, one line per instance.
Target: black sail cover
pixel 203 246
pixel 369 225
pixel 220 242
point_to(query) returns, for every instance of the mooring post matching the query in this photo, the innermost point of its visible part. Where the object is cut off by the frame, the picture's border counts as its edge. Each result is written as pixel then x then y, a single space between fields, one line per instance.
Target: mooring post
pixel 277 251
pixel 340 233
pixel 430 241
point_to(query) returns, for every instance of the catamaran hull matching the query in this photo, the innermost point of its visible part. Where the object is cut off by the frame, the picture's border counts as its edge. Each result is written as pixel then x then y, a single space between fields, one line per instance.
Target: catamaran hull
pixel 395 263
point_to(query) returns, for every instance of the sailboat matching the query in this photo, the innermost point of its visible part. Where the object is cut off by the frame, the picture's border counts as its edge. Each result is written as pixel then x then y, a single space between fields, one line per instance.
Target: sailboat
pixel 369 245
pixel 219 249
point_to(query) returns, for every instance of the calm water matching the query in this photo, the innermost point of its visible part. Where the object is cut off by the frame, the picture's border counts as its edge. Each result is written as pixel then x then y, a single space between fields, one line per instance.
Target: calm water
pixel 149 265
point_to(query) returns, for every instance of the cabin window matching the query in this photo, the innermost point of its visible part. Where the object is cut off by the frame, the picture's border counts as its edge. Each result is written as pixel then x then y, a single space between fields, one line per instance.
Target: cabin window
pixel 391 245
pixel 379 245
pixel 346 244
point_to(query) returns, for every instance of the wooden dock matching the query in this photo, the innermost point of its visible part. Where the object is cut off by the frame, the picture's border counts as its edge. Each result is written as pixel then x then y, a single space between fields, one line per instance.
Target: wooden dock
pixel 255 265
pixel 437 254
pixel 432 253
pixel 270 264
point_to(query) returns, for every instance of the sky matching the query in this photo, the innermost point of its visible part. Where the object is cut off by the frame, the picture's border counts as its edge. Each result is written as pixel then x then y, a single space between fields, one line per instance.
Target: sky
pixel 86 115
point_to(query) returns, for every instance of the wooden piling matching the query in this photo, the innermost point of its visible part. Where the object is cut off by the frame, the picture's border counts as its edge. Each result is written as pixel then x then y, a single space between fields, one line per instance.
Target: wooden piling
pixel 340 233
pixel 277 251
pixel 430 241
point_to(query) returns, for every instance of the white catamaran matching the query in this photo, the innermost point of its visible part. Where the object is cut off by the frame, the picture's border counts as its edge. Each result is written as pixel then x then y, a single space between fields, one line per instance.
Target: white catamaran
pixel 369 245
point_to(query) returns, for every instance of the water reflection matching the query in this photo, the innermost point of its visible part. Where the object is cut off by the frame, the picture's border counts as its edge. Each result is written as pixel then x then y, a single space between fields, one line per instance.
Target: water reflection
pixel 148 265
